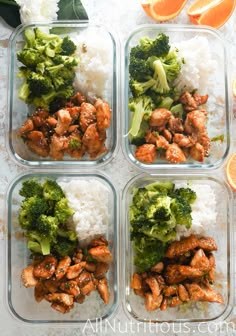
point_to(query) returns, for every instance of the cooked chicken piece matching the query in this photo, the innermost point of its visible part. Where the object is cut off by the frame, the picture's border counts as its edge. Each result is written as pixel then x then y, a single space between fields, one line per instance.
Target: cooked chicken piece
pixel 146 153
pixel 153 285
pixel 174 154
pixel 100 241
pixel 90 266
pixel 83 279
pixel 183 294
pixel 188 101
pixel 101 253
pixel 73 129
pixel 61 298
pixel 63 121
pixel 101 269
pixel 78 256
pixel 161 281
pixel 151 302
pixel 207 244
pixel 161 142
pixel 93 141
pixel 37 143
pixel 197 152
pixel 78 99
pixel 151 137
pixel 175 125
pixel 70 287
pixel 88 288
pixel 103 290
pixel 80 299
pixel 199 292
pixel 200 261
pixel 175 274
pixel 75 148
pixel 61 308
pixel 158 268
pixel 183 140
pixel 178 248
pixel 62 267
pixel 200 100
pixel 39 118
pixel 195 121
pixel 174 301
pixel 167 134
pixel 103 114
pixel 211 274
pixel 46 268
pixel 204 140
pixel 159 118
pixel 40 291
pixel 52 285
pixel 58 146
pixel 170 290
pixel 163 305
pixel 87 116
pixel 74 270
pixel 74 112
pixel 51 121
pixel 140 292
pixel 26 127
pixel 27 276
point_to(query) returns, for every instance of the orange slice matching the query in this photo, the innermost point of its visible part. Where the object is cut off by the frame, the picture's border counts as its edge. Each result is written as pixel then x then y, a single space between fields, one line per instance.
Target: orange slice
pixel 146 6
pixel 200 6
pixel 215 16
pixel 231 171
pixel 164 10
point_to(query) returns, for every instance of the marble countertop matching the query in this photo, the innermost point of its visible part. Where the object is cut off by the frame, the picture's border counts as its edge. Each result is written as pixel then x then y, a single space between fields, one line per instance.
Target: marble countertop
pixel 122 16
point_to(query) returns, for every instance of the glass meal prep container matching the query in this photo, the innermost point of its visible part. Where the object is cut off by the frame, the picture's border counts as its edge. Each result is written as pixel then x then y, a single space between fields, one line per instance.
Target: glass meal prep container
pixel 218 105
pixel 193 312
pixel 21 302
pixel 102 83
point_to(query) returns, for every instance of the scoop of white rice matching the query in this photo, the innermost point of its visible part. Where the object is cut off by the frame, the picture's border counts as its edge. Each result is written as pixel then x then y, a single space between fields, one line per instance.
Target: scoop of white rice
pixel 203 212
pixel 198 64
pixel 89 200
pixel 93 75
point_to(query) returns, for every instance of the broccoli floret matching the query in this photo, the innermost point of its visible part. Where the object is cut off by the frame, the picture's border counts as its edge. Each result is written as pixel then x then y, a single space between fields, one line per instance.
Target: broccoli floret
pixel 159 208
pixel 31 187
pixel 65 247
pixel 29 36
pixel 139 88
pixel 38 243
pixel 67 61
pixel 32 207
pixel 139 69
pixel 62 210
pixel 47 99
pixel 139 139
pixel 68 47
pixel 75 143
pixel 30 57
pixel 52 191
pixel 182 211
pixel 163 187
pixel 47 225
pixel 69 234
pixel 39 84
pixel 140 107
pixel 187 194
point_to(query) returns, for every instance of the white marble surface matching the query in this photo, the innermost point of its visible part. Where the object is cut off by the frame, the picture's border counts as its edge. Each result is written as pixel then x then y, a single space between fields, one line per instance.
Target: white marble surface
pixel 122 16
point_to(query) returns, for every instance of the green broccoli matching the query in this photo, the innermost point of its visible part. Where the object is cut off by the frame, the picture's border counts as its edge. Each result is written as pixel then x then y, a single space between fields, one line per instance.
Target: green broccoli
pixel 74 143
pixel 139 139
pixel 38 243
pixel 48 225
pixel 68 234
pixel 29 57
pixel 187 194
pixel 39 84
pixel 140 107
pixel 31 208
pixel 52 191
pixel 68 47
pixel 139 69
pixel 65 247
pixel 139 88
pixel 67 61
pixel 159 208
pixel 182 211
pixel 163 187
pixel 31 187
pixel 62 210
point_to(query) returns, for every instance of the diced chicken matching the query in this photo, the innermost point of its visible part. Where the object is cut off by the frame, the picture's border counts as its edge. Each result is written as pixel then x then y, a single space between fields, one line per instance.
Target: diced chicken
pixel 74 270
pixel 28 277
pixel 64 121
pixel 103 290
pixel 103 113
pixel 200 261
pixel 101 253
pixel 175 125
pixel 174 154
pixel 62 267
pixel 159 118
pixel 175 274
pixel 87 115
pixel 180 247
pixel 151 302
pixel 146 153
pixel 46 268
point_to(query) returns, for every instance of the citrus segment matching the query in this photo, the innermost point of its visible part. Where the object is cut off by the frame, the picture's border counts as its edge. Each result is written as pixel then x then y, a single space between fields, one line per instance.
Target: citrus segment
pixel 200 6
pixel 146 6
pixel 231 171
pixel 163 10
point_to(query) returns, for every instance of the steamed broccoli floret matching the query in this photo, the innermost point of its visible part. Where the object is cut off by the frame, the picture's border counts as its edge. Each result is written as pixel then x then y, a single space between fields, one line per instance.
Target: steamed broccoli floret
pixel 31 187
pixel 163 186
pixel 52 190
pixel 30 57
pixel 139 88
pixel 48 225
pixel 140 107
pixel 182 211
pixel 68 47
pixel 32 207
pixel 68 234
pixel 187 194
pixel 65 247
pixel 67 61
pixel 38 243
pixel 39 84
pixel 62 210
pixel 159 208
pixel 139 69
pixel 139 139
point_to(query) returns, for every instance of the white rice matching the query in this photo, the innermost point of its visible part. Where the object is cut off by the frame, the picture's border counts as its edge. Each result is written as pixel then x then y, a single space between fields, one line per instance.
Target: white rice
pixel 94 72
pixel 203 212
pixel 198 65
pixel 89 200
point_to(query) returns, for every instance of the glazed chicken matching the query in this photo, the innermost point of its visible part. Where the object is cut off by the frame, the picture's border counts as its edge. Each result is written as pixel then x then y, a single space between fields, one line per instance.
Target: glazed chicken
pixel 66 281
pixel 77 128
pixel 185 274
pixel 174 138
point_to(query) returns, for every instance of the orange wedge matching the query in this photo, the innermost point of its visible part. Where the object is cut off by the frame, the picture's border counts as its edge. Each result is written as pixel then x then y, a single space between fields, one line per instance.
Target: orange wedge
pixel 200 6
pixel 216 13
pixel 163 10
pixel 231 171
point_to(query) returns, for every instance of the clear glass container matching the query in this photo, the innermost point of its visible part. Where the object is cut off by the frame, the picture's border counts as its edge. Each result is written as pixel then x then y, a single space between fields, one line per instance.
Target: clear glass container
pixel 222 232
pixel 108 69
pixel 21 301
pixel 219 103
